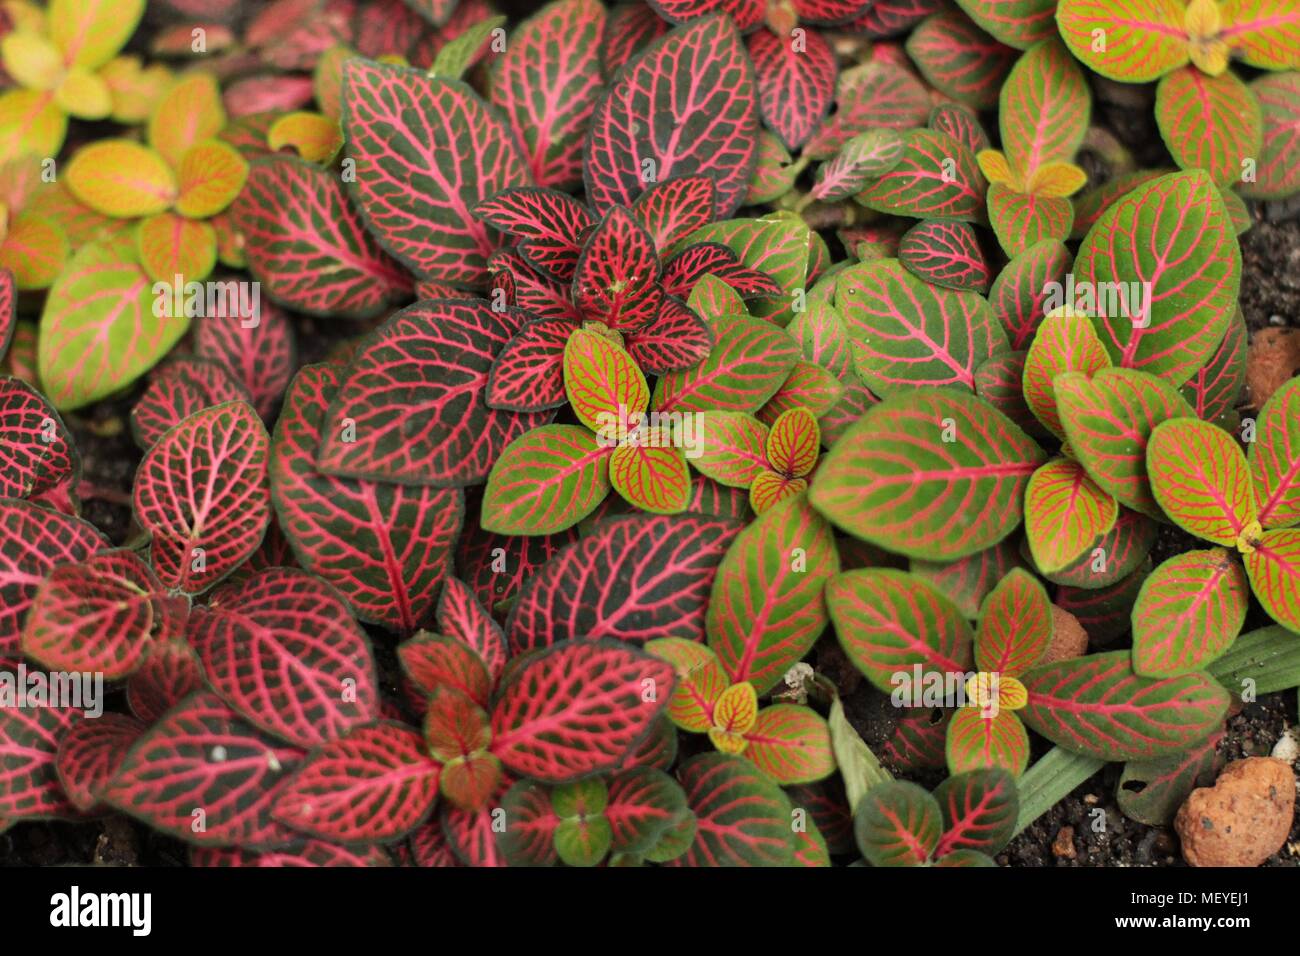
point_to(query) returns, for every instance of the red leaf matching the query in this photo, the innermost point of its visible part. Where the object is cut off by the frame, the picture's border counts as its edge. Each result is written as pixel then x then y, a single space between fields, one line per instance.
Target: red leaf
pixel 676 339
pixel 548 225
pixel 673 209
pixel 617 276
pixel 90 753
pixel 796 82
pixel 180 388
pixel 496 566
pixel 528 374
pixel 36 449
pixel 693 263
pixel 29 744
pixel 628 29
pixel 262 357
pixel 461 615
pixel 169 672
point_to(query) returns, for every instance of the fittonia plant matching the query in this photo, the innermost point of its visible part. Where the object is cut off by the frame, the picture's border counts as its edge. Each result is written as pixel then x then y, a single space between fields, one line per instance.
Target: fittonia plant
pixel 569 405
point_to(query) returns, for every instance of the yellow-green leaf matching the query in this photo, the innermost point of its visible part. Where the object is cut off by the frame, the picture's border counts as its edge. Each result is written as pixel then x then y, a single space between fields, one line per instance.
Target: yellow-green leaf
pixel 209 177
pixel 120 178
pixel 34 250
pixel 170 245
pixel 92 32
pixel 30 123
pixel 188 113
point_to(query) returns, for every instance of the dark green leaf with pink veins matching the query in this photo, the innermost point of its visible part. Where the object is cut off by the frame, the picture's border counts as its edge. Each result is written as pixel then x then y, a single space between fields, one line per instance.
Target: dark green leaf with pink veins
pixel 29 746
pixel 750 361
pixel 1213 391
pixel 878 93
pixel 547 226
pixel 635 578
pixel 90 753
pixel 385 547
pixel 898 824
pixel 979 812
pixel 640 122
pixel 180 388
pixel 936 178
pixel 413 399
pixel 742 818
pixel 262 356
pixel 528 374
pixel 796 83
pixel 1021 289
pixel 945 254
pixel 617 277
pixel 36 450
pixel 308 246
pixel 427 150
pixel 959 59
pixel 672 209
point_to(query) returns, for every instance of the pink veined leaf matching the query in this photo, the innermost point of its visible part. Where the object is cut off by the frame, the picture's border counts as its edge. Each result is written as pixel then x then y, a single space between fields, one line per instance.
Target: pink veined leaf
pixel 1114 555
pixel 617 277
pixel 741 817
pixel 431 661
pixel 629 28
pixel 639 119
pixel 180 388
pixel 169 672
pixel 1209 122
pixel 937 178
pixel 1018 23
pixel 748 363
pixel 709 497
pixel 37 452
pixel 999 381
pixel 918 740
pixel 284 651
pixel 386 547
pixel 415 393
pixel 747 14
pixel 1015 625
pixel 946 254
pixel 261 355
pixel 886 18
pixel 200 756
pixel 528 374
pixel 1021 220
pixel 375 784
pixel 8 310
pixel 643 805
pixel 1201 480
pixel 961 123
pixel 796 81
pixel 201 494
pixel 90 753
pixel 308 247
pixel 968 581
pixel 255 95
pixel 1090 204
pixel 878 94
pixel 1064 343
pixel 391 26
pixel 1274 459
pixel 546 481
pixel 674 208
pixel 547 83
pixel 471 834
pixel 33 542
pixel 308 853
pixel 531 290
pixel 547 224
pixel 100 616
pixel 829 12
pixel 1144 39
pixel 1189 611
pixel 1213 390
pixel 429 846
pixel 29 745
pixel 677 339
pixel 979 812
pixel 1065 512
pixel 427 149
pixel 1044 110
pixel 634 578
pixel 1018 295
pixel 897 823
pixel 1278 172
pixel 577 708
pixel 959 59
pixel 1274 569
pixel 684 270
pixel 462 616
pixel 496 566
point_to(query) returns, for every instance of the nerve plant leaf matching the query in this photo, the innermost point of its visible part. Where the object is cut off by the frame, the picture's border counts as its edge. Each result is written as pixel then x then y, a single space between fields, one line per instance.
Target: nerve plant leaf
pixel 795 75
pixel 1190 609
pixel 898 824
pixel 29 746
pixel 936 178
pixel 1274 575
pixel 1278 172
pixel 636 132
pixel 1021 290
pixel 1017 23
pixel 741 817
pixel 1065 512
pixel 546 223
pixel 945 254
pixel 1209 122
pixel 1144 40
pixel 36 451
pixel 1201 480
pixel 1274 459
pixel 749 362
pixel 546 481
pixel 90 753
pixel 180 388
pixel 959 59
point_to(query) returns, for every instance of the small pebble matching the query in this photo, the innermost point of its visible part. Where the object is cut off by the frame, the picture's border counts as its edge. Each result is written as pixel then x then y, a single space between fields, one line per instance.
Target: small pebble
pixel 1063 845
pixel 1288 747
pixel 1243 819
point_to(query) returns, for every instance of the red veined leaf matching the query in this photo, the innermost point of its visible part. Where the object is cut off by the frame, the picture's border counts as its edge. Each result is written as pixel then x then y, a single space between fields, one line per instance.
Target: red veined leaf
pixel 823 337
pixel 604 386
pixel 693 263
pixel 29 746
pixel 790 744
pixel 741 817
pixel 946 254
pixel 426 149
pixel 534 292
pixel 413 399
pixel 617 276
pixel 392 27
pixel 658 751
pixel 577 708
pixel 936 178
pixel 528 374
pixel 732 448
pixel 1190 609
pixel 201 494
pixel 677 339
pixel 897 824
pixel 168 673
pixel 967 581
pixel 529 837
pixel 907 332
pixel 1274 458
pixel 734 713
pixel 1274 569
pixel 180 388
pixel 628 29
pixel 546 481
pixel 259 351
pixel 1143 40
pixel 959 59
pixel 1017 23
pixel 462 616
pixel 582 837
pixel 796 81
pixel 700 683
pixel 376 783
pixel 889 622
pixel 90 753
pixel 1044 109
pixel 283 650
pixel 1097 706
pixel 979 812
pixel 1110 557
pixel 1196 273
pixel 919 740
pixel 308 247
pixel 1104 612
pixel 456 733
pixel 309 853
pixel 1020 220
pixel 203 775
pixel 547 83
pixel 386 547
pixel 1151 791
pixel 749 362
pixel 1000 382
pixel 1209 122
pixel 793 443
pixel 1277 173
pixel 547 224
pixel 1201 479
pixel 874 94
pixel 634 578
pixel 961 123
pixel 1263 33
pixel 650 473
pixel 673 209
pixel 896 454
pixel 746 13
pixel 36 450
pixel 1015 627
pixel 471 835
pixel 1108 419
pixel 436 12
pixel 1089 205
pixel 1021 289
pixel 496 566
pixel 770 489
pixel 862 158
pixel 1212 392
pixel 431 661
pixel 100 615
pixel 1065 342
pixel 978 740
pixel 1065 512
pixel 643 804
pixel 779 244
pixel 766 608
pixel 640 117
pixel 712 298
pixel 8 310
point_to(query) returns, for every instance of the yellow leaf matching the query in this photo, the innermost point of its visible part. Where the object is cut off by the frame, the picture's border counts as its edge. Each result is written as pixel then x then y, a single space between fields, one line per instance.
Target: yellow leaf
pixel 1209 56
pixel 92 32
pixel 316 138
pixel 1202 19
pixel 134 88
pixel 770 489
pixel 1057 180
pixel 120 178
pixel 31 123
pixel 188 113
pixel 996 169
pixel 84 95
pixel 26 17
pixel 209 177
pixel 1012 695
pixel 736 710
pixel 170 245
pixel 33 61
pixel 35 251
